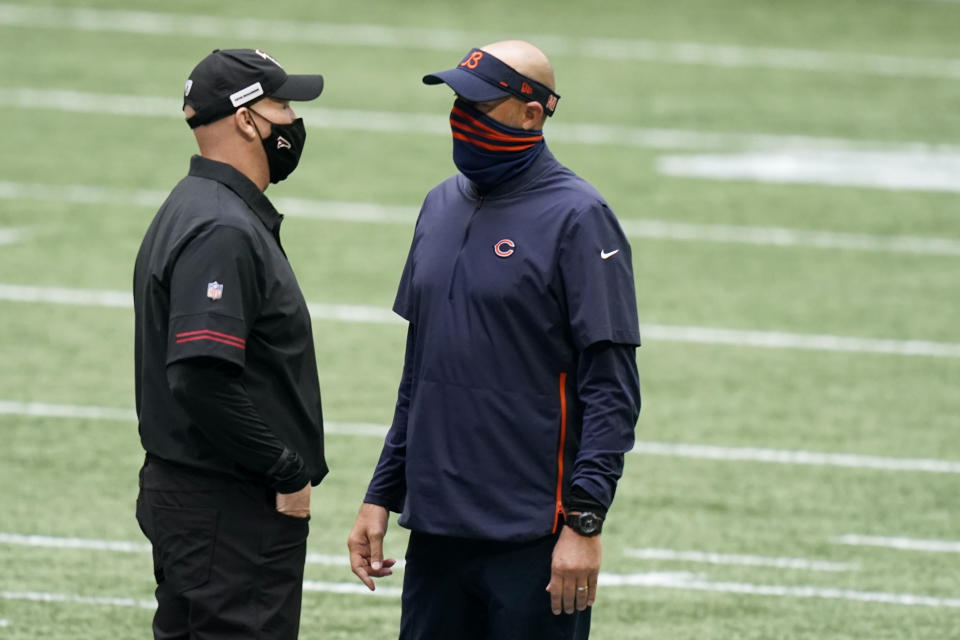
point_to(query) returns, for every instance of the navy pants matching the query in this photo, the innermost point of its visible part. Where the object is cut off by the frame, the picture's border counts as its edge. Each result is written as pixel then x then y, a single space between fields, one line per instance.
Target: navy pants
pixel 461 589
pixel 227 565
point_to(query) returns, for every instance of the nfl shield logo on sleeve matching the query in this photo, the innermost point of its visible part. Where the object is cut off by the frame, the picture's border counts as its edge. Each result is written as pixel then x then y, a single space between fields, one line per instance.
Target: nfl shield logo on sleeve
pixel 214 290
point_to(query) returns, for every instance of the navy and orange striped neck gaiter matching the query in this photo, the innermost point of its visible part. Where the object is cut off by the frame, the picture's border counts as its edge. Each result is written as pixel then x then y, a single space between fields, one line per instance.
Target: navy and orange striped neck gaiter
pixel 488 152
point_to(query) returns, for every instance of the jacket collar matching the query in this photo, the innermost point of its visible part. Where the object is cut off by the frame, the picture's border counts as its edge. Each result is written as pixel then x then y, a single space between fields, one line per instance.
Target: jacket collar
pixel 544 162
pixel 241 185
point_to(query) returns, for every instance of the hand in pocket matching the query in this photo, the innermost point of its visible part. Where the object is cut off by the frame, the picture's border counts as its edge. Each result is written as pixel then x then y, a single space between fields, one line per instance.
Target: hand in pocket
pixel 295 505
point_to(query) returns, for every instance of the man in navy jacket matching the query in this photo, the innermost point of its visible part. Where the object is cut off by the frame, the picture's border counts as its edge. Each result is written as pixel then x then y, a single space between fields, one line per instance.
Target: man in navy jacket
pixel 520 390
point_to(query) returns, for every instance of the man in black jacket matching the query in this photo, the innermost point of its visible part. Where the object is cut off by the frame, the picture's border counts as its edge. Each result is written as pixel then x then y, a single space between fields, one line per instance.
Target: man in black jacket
pixel 228 398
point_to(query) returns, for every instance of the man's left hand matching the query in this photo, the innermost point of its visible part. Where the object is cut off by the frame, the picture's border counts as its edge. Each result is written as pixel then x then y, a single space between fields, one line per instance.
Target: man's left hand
pixel 573 573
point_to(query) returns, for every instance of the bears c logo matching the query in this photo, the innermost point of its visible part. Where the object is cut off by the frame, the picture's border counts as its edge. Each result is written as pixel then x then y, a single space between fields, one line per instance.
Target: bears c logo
pixel 504 248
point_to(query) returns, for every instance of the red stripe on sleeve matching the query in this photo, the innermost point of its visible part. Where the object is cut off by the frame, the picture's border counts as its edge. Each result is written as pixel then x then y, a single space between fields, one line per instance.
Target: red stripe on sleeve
pixel 211 332
pixel 195 338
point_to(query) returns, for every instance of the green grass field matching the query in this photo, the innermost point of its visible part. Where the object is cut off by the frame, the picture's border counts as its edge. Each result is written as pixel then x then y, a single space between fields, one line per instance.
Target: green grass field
pixel 755 464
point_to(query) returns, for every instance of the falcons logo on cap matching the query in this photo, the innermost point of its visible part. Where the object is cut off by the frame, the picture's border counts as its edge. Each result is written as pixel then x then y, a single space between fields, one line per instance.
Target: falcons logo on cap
pixel 267 56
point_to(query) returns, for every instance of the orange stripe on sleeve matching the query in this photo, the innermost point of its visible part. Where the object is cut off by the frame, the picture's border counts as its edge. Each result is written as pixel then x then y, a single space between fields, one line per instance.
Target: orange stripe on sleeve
pixel 563 439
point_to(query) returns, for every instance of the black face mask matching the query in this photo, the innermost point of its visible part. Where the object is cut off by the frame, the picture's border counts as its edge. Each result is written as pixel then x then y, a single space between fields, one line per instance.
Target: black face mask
pixel 283 146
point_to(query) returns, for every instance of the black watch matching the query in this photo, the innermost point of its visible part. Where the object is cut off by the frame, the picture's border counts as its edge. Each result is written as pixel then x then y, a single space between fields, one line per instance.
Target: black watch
pixel 586 523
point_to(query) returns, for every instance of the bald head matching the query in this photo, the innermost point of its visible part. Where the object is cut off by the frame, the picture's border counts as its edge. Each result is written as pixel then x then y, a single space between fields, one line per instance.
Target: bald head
pixel 524 58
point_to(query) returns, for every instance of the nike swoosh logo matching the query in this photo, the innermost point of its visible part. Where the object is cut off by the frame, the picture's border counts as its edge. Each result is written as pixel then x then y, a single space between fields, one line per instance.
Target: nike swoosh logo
pixel 604 255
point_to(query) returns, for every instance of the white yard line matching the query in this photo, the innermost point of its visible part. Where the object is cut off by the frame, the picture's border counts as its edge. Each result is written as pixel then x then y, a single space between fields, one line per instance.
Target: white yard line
pixel 781 237
pixel 458 41
pixel 90 544
pixel 329 559
pixel 47 410
pixel 805 592
pixel 793 457
pixel 88 412
pixel 803 341
pixel 706 557
pixel 365 212
pixel 347 211
pixel 123 299
pixel 364 429
pixel 353 313
pixel 891 170
pixel 436 124
pixel 646 579
pixel 350 588
pixel 81 194
pixel 663 580
pixel 901 544
pixel 116 601
pixel 127 546
pixel 69 296
pixel 342 560
pixel 9 236
pixel 666 449
pixel 70 598
pixel 651 332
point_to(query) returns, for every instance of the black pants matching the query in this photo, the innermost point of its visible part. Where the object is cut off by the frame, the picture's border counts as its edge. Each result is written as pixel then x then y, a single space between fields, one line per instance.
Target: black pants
pixel 460 589
pixel 227 565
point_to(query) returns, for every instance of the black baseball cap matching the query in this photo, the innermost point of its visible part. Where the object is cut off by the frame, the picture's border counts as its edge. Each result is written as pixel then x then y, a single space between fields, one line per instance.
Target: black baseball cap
pixel 481 76
pixel 228 79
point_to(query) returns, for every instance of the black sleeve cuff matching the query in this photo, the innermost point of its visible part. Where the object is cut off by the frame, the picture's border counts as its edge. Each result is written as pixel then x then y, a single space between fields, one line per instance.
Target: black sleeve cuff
pixel 579 500
pixel 288 474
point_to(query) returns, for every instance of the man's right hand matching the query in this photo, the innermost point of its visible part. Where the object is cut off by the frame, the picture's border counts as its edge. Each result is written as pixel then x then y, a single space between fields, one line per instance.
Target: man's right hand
pixel 295 505
pixel 366 545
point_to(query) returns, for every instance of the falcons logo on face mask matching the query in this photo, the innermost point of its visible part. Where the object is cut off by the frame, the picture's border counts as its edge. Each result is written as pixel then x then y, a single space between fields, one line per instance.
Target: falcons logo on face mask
pixel 282 143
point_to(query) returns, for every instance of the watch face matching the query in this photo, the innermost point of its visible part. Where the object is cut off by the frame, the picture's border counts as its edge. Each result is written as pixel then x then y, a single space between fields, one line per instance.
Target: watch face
pixel 588 523
pixel 585 523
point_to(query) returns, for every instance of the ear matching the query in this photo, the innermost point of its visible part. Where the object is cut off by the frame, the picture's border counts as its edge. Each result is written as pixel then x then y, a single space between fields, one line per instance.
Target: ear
pixel 532 116
pixel 243 121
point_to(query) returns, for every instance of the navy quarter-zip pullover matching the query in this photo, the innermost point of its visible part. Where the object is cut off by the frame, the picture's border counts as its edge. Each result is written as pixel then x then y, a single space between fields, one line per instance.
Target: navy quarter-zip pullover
pixel 520 381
